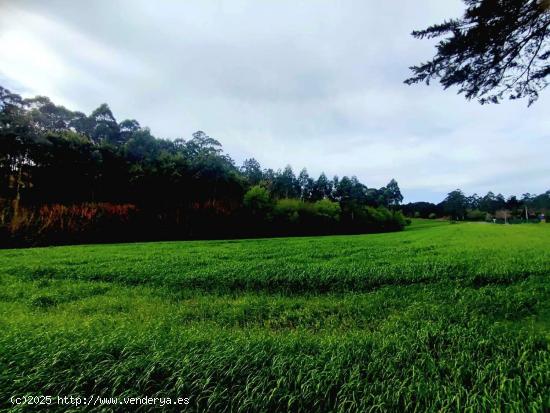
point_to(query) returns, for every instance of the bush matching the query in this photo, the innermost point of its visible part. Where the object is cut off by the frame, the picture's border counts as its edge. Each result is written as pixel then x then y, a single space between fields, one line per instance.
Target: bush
pixel 327 209
pixel 368 219
pixel 399 219
pixel 58 223
pixel 293 216
pixel 432 215
pixel 290 210
pixel 52 224
pixel 475 215
pixel 258 201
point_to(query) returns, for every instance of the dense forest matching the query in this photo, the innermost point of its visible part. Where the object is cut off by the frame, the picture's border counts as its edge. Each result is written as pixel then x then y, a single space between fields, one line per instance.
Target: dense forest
pixel 67 177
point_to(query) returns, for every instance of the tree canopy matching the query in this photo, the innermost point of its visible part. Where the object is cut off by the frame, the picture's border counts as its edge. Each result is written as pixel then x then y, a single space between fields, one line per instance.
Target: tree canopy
pixel 56 161
pixel 498 49
pixel 458 206
pixel 66 176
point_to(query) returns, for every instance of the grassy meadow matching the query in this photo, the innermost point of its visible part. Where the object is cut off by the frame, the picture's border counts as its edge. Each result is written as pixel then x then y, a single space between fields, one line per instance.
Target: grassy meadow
pixel 439 317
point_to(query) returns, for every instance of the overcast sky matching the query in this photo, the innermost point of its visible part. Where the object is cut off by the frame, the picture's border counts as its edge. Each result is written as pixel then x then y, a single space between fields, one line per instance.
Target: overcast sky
pixel 316 84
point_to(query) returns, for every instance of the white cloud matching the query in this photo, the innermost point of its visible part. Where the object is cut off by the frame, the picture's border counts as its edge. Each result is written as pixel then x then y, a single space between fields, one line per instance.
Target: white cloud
pixel 313 83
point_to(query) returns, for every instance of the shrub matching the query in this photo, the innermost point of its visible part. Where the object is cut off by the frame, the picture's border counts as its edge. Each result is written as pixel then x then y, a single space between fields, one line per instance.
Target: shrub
pixel 432 215
pixel 475 215
pixel 290 210
pixel 399 219
pixel 71 223
pixel 258 201
pixel 327 209
pixel 293 216
pixel 368 219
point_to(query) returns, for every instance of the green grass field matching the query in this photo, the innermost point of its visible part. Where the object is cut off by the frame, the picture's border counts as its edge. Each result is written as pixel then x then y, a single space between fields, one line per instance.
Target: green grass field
pixel 440 317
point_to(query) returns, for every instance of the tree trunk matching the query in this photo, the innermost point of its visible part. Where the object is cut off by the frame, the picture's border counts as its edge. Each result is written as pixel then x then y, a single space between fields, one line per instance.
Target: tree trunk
pixel 17 201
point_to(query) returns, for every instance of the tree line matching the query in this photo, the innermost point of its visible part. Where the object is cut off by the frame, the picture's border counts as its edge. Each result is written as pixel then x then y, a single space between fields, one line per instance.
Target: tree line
pixel 490 207
pixel 71 177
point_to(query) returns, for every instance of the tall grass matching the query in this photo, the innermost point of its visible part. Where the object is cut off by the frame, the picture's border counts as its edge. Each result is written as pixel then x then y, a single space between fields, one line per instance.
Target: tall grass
pixel 438 318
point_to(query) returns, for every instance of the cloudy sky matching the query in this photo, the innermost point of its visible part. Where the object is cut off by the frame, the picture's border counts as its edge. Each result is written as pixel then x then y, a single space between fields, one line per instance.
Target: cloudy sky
pixel 316 84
